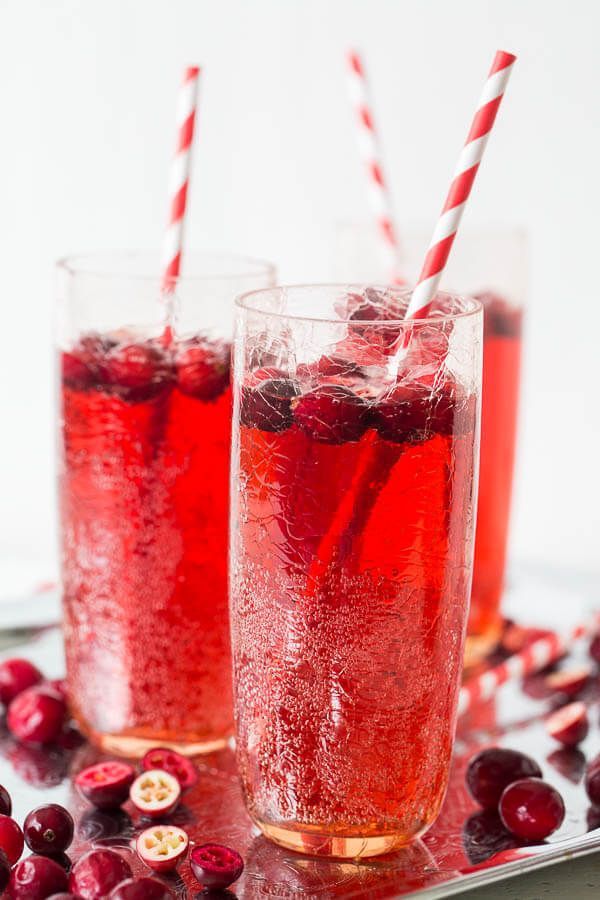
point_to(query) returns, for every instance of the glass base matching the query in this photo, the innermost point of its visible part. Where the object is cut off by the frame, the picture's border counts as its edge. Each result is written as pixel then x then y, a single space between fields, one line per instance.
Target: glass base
pixel 135 746
pixel 340 846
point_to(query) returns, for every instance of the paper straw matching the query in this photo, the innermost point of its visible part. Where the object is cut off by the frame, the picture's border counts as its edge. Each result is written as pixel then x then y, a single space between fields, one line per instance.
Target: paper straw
pixel 462 182
pixel 370 151
pixel 179 179
pixel 536 656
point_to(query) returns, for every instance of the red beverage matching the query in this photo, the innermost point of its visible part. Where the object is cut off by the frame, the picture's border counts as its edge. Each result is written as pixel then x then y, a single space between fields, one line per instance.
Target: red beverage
pixel 144 507
pixel 351 568
pixel 500 393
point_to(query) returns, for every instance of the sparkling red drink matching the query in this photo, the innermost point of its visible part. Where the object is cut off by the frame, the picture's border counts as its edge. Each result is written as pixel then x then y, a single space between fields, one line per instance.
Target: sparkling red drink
pixel 145 440
pixel 353 490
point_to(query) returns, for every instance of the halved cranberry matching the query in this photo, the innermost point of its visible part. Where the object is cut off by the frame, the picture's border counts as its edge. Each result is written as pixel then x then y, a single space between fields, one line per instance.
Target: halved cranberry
pixel 155 793
pixel 531 809
pixel 36 715
pixel 36 878
pixel 97 873
pixel 16 675
pixel 216 866
pixel 4 871
pixel 106 784
pixel 49 829
pixel 332 414
pixel 569 725
pixel 11 839
pixel 492 770
pixel 203 368
pixel 162 847
pixel 569 761
pixel 592 780
pixel 268 405
pixel 141 889
pixel 184 770
pixel 5 802
pixel 569 681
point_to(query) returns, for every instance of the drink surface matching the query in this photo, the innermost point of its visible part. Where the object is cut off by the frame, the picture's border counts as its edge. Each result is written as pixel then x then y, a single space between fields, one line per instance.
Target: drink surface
pixel 144 506
pixel 351 565
pixel 499 408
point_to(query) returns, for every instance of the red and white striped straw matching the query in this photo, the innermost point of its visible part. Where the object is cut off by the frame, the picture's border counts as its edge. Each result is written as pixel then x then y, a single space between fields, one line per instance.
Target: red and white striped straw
pixel 370 150
pixel 179 178
pixel 462 182
pixel 536 656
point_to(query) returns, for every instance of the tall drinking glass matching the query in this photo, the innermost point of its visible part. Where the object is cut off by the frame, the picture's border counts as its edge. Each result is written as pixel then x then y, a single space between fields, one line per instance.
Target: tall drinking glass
pixel 145 420
pixel 491 264
pixel 353 491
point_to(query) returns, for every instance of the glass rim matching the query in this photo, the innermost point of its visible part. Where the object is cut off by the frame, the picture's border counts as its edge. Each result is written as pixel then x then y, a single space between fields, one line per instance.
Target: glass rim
pixel 244 302
pixel 76 264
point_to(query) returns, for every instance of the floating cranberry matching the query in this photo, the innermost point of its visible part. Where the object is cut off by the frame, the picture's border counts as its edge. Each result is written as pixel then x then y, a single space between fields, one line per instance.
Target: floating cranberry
pixel 203 369
pixel 155 793
pixel 136 371
pixel 97 873
pixel 592 780
pixel 49 829
pixel 331 414
pixel 569 725
pixel 76 374
pixel 184 770
pixel 569 681
pixel 11 839
pixel 106 784
pixel 162 847
pixel 37 715
pixel 4 871
pixel 531 809
pixel 492 770
pixel 36 878
pixel 268 405
pixel 5 802
pixel 16 675
pixel 141 889
pixel 216 866
pixel 403 413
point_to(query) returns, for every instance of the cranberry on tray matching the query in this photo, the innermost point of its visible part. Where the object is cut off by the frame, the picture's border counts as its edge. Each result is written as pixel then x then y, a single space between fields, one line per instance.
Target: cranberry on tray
pixel 97 872
pixel 155 793
pixel 49 829
pixel 162 847
pixel 11 839
pixel 493 769
pixel 182 768
pixel 144 888
pixel 37 715
pixel 37 878
pixel 16 675
pixel 216 866
pixel 532 809
pixel 106 784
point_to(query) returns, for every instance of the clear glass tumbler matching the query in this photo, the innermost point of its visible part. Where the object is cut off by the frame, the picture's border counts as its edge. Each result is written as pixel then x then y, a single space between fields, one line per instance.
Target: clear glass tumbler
pixel 491 264
pixel 354 465
pixel 144 432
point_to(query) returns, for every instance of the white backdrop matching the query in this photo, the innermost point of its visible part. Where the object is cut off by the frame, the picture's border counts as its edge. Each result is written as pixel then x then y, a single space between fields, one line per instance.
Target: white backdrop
pixel 87 93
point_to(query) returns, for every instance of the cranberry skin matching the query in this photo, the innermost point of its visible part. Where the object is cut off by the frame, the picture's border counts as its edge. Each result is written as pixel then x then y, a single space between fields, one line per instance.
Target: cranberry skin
pixel 183 769
pixel 592 780
pixel 136 371
pixel 36 878
pixel 595 648
pixel 37 715
pixel 97 873
pixel 532 809
pixel 16 675
pixel 11 839
pixel 203 370
pixel 402 414
pixel 106 784
pixel 332 414
pixel 5 802
pixel 141 889
pixel 4 870
pixel 49 829
pixel 268 406
pixel 216 866
pixel 76 374
pixel 64 895
pixel 492 770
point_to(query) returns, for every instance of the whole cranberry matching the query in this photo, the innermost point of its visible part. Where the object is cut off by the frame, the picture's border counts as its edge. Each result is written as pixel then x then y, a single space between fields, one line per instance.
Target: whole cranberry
pixel 531 809
pixel 203 369
pixel 141 889
pixel 37 715
pixel 16 675
pixel 49 829
pixel 36 878
pixel 11 839
pixel 493 769
pixel 216 866
pixel 331 414
pixel 76 374
pixel 136 371
pixel 5 802
pixel 402 414
pixel 268 406
pixel 97 873
pixel 4 871
pixel 592 780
